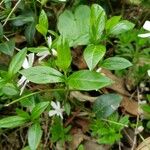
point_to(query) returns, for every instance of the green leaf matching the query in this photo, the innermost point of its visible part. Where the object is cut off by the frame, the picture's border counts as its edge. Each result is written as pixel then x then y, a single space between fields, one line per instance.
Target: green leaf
pixel 17 62
pixel 34 136
pixel 26 148
pixel 38 49
pixel 106 104
pixel 116 63
pixel 63 60
pixel 22 113
pixel 97 23
pixel 10 89
pixel 7 47
pixel 42 27
pixel 87 80
pixel 39 109
pixel 112 22
pixel 42 75
pixel 1 31
pixel 12 122
pixel 121 27
pixel 93 54
pixel 30 32
pixel 75 26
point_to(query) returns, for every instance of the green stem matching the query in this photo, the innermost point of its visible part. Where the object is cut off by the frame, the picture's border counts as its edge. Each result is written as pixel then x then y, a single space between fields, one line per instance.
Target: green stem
pixel 31 94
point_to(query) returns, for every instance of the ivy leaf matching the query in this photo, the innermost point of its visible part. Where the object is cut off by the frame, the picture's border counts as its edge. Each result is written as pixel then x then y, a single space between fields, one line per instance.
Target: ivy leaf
pixel 42 75
pixel 116 63
pixel 106 104
pixel 87 80
pixel 93 54
pixel 34 136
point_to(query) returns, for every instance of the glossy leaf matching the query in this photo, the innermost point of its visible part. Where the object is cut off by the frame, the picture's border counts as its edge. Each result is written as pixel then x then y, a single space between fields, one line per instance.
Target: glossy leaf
pixel 17 62
pixel 121 27
pixel 34 136
pixel 42 75
pixel 39 109
pixel 93 54
pixel 106 104
pixel 12 122
pixel 63 60
pixel 116 63
pixel 97 23
pixel 87 80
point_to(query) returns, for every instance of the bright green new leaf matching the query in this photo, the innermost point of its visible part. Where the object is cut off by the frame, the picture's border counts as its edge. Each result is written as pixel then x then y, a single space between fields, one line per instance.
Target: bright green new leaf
pixel 116 63
pixel 112 22
pixel 97 23
pixel 93 54
pixel 42 27
pixel 63 60
pixel 7 47
pixel 37 49
pixel 12 122
pixel 87 80
pixel 42 75
pixel 121 27
pixel 17 62
pixel 34 136
pixel 39 109
pixel 106 104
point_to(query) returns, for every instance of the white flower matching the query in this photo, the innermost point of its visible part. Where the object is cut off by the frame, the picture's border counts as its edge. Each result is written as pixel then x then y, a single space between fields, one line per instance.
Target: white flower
pixel 146 26
pixel 44 54
pixel 57 109
pixel 148 71
pixel 28 62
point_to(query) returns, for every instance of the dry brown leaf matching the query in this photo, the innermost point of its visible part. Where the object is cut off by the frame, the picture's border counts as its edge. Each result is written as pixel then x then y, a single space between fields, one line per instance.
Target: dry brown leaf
pixel 130 106
pixel 145 145
pixel 90 145
pixel 77 138
pixel 19 39
pixel 118 84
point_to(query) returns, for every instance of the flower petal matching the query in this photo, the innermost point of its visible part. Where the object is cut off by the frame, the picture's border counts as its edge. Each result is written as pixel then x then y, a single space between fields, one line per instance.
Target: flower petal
pixel 21 81
pixel 49 41
pixel 54 105
pixel 144 35
pixel 25 64
pixel 146 25
pixel 31 59
pixel 23 87
pixel 52 113
pixel 148 71
pixel 54 52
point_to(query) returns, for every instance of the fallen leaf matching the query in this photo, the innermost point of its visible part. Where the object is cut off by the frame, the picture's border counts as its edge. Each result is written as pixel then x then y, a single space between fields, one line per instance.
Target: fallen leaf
pixel 130 106
pixel 145 145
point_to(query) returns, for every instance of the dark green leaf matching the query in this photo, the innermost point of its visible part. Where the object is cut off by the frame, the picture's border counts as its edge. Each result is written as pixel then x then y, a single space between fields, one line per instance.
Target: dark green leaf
pixel 42 75
pixel 39 109
pixel 7 47
pixel 12 122
pixel 34 136
pixel 106 104
pixel 88 80
pixel 116 63
pixel 10 89
pixel 1 31
pixel 17 62
pixel 93 54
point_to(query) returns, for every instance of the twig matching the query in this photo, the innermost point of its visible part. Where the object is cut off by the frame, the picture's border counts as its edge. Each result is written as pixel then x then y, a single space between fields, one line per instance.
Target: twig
pixel 11 12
